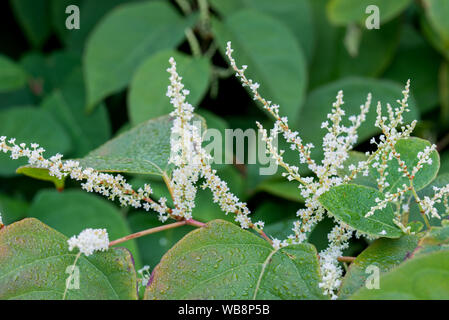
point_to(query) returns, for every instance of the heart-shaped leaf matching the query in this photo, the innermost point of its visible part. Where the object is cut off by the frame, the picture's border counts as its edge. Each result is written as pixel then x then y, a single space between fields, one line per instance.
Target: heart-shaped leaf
pixel 35 264
pixel 342 12
pixel 384 254
pixel 409 149
pixel 72 211
pixel 421 278
pixel 350 203
pixel 147 98
pixel 295 14
pixel 135 31
pixel 31 125
pixel 222 261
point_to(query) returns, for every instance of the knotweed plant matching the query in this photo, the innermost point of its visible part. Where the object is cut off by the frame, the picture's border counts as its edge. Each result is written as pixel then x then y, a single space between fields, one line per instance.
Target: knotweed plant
pixel 192 170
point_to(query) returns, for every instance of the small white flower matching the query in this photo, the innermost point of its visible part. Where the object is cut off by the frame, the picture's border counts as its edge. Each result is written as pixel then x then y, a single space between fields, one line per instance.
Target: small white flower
pixel 89 241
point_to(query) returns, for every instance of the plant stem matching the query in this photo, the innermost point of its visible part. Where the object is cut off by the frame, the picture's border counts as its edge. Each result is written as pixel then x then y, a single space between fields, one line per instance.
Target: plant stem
pixel 190 222
pixel 204 13
pixel 185 6
pixel 147 232
pixel 346 259
pixel 421 210
pixel 193 43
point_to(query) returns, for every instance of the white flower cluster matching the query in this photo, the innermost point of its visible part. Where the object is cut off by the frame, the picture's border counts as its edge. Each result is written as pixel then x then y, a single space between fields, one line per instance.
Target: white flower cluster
pixel 337 143
pixel 90 241
pixel 110 186
pixel 1 220
pixel 193 162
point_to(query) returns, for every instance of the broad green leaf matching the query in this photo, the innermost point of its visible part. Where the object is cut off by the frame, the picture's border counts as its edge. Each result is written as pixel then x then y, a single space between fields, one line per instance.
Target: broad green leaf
pixel 87 131
pixel 423 75
pixel 134 31
pixel 72 211
pixel 384 254
pixel 34 18
pixel 12 76
pixel 342 12
pixel 437 11
pixel 147 97
pixel 295 14
pixel 270 50
pixel 437 238
pixel 34 260
pixel 350 203
pixel 319 104
pixel 41 174
pixel 408 150
pixel 221 261
pixel 374 53
pixel 282 188
pixel 31 125
pixel 12 209
pixel 144 149
pixel 421 278
pixel 92 12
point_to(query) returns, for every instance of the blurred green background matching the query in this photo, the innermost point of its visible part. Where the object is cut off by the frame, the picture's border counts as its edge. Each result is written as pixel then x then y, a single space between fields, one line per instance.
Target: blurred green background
pixel 73 90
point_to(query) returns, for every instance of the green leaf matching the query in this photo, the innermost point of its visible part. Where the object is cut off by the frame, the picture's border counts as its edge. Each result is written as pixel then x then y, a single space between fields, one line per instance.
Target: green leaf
pixel 437 238
pixel 343 12
pixel 141 29
pixel 436 12
pixel 72 211
pixel 382 253
pixel 221 261
pixel 92 13
pixel 319 104
pixel 34 18
pixel 350 203
pixel 87 131
pixel 12 76
pixel 421 278
pixel 295 14
pixel 409 149
pixel 144 149
pixel 270 50
pixel 41 174
pixel 34 259
pixel 28 125
pixel 354 158
pixel 147 98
